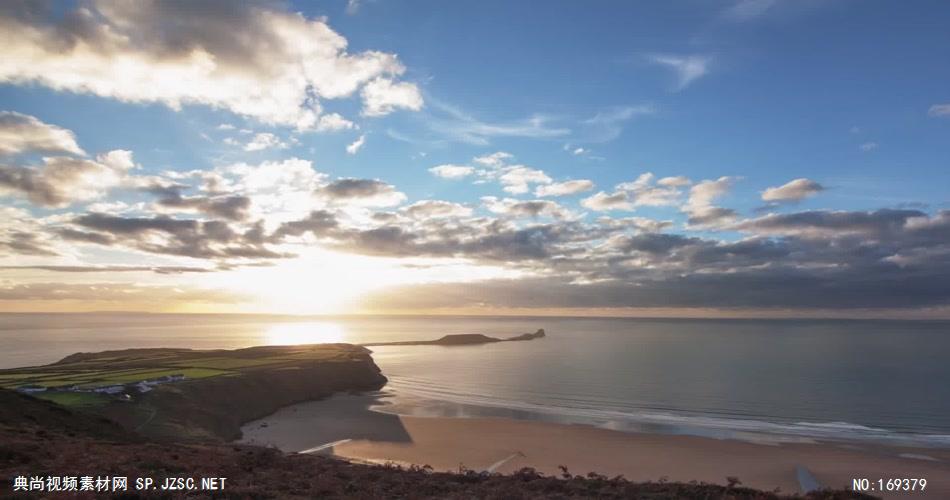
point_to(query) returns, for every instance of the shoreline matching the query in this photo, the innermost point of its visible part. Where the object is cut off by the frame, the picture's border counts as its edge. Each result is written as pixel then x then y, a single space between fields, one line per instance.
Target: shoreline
pixel 346 427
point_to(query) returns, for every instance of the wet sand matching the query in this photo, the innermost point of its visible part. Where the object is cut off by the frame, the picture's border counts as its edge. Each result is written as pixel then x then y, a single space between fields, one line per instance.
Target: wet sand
pixel 505 445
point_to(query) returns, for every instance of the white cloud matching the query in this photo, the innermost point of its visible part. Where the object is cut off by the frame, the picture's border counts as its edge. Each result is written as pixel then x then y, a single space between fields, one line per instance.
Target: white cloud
pixel 383 96
pixel 579 151
pixel 939 110
pixel 264 140
pixel 355 146
pixel 701 208
pixel 452 171
pixel 687 68
pixel 868 146
pixel 273 176
pixel 251 59
pixel 516 179
pixel 565 188
pixel 607 125
pixel 61 181
pixel 644 192
pixel 226 126
pixel 458 125
pixel 494 160
pixel 427 209
pixel 333 122
pixel 794 190
pixel 21 133
pixel 603 202
pixel 678 181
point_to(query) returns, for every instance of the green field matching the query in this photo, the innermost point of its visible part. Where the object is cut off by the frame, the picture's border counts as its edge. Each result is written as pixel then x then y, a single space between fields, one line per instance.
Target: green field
pixel 74 399
pixel 90 371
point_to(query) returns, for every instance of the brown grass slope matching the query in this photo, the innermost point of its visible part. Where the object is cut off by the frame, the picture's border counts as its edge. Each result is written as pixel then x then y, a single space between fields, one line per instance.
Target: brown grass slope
pixel 41 438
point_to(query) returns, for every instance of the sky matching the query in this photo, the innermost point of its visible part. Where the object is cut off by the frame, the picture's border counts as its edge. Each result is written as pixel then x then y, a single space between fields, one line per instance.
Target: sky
pixel 734 158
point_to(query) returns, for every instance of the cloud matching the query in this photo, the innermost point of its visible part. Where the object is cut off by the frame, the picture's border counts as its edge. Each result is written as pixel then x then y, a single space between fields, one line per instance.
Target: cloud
pixel 214 240
pixel 607 125
pixel 23 234
pixel 111 269
pixel 517 179
pixel 493 160
pixel 455 124
pixel 333 122
pixel 21 133
pixel 226 207
pixel 744 10
pixel 812 260
pixel 426 209
pixel 250 58
pixel 868 147
pixel 61 180
pixel 939 110
pixel 645 190
pixel 526 208
pixel 356 145
pixel 362 192
pixel 603 202
pixel 265 140
pixel 821 223
pixel 794 190
pixel 383 96
pixel 700 208
pixel 565 188
pixel 452 171
pixel 687 68
pixel 117 293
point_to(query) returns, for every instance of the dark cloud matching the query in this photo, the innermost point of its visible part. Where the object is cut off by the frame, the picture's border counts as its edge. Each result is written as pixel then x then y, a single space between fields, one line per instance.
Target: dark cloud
pixel 872 224
pixel 60 181
pixel 164 235
pixel 111 269
pixel 781 288
pixel 370 192
pixel 227 207
pixel 24 243
pixel 117 293
pixel 355 188
pixel 710 217
pixel 319 223
pixel 811 260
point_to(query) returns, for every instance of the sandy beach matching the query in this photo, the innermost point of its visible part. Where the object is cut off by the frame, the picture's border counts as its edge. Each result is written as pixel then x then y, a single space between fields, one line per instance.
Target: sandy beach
pixel 345 426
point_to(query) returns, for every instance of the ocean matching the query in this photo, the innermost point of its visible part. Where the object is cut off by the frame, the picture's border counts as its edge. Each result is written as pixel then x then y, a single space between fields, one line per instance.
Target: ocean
pixel 772 380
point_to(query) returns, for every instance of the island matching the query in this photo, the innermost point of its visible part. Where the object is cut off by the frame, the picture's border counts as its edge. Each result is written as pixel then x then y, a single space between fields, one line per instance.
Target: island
pixel 462 339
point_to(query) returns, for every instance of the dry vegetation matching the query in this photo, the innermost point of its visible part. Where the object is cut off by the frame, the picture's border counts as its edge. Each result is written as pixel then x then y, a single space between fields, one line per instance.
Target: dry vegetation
pixel 40 438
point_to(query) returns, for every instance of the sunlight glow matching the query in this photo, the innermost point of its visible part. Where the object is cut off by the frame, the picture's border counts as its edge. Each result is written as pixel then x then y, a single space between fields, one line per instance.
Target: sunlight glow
pixel 317 332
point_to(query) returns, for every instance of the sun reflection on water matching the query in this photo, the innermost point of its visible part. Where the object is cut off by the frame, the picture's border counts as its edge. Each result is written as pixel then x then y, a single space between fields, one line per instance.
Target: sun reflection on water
pixel 317 332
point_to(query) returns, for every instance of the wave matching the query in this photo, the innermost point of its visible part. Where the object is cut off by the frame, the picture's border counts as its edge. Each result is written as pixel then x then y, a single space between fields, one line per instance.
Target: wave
pixel 428 398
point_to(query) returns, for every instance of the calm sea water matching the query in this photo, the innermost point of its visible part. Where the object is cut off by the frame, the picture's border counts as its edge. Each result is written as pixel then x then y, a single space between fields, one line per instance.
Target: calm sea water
pixel 885 381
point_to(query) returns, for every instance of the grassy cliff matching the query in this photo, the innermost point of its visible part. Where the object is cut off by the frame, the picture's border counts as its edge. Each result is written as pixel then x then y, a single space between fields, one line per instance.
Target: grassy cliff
pixel 184 394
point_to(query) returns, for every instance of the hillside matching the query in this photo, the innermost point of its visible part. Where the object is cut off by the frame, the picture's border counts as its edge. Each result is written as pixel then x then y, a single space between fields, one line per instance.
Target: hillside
pixel 39 438
pixel 183 394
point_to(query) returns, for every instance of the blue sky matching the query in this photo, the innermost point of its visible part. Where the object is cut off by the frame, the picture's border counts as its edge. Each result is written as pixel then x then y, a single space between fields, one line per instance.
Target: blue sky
pixel 849 98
